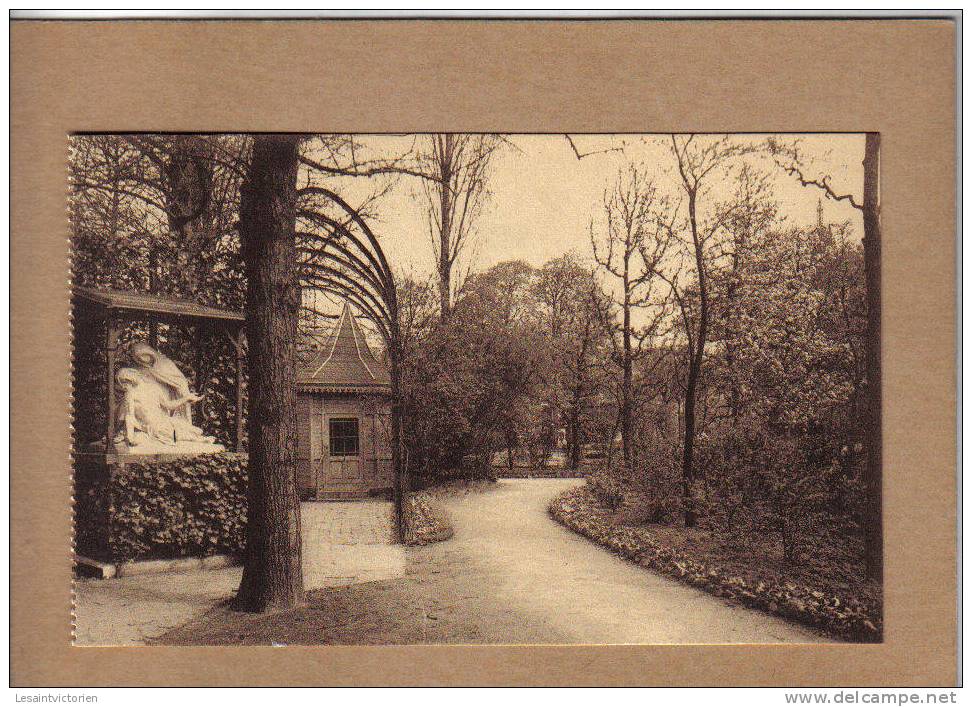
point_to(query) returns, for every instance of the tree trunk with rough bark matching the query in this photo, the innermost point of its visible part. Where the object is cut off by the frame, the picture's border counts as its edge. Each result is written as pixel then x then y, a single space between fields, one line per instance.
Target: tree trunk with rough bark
pixel 272 577
pixel 873 530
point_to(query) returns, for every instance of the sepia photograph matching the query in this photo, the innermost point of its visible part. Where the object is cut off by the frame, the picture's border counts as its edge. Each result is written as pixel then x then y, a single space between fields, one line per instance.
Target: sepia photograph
pixel 482 348
pixel 476 388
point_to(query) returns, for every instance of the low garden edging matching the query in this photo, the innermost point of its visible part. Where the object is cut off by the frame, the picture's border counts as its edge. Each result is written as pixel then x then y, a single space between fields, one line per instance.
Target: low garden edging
pixel 426 522
pixel 841 617
pixel 504 472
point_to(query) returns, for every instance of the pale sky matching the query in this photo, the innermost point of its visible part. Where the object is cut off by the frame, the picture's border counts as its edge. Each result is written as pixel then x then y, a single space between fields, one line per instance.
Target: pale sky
pixel 543 197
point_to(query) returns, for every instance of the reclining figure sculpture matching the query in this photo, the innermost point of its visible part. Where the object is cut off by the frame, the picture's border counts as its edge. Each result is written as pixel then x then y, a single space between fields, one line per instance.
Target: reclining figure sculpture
pixel 155 412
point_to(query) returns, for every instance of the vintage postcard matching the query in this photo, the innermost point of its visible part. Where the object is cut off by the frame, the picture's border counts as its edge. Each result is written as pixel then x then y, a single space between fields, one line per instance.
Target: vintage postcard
pixel 483 353
pixel 476 388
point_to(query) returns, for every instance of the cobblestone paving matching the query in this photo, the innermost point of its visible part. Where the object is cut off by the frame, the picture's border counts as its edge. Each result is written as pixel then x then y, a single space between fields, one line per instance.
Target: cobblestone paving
pixel 349 541
pixel 348 522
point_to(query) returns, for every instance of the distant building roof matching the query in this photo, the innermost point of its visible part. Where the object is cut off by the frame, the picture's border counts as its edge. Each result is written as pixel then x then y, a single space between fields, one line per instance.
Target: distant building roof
pixel 345 363
pixel 131 301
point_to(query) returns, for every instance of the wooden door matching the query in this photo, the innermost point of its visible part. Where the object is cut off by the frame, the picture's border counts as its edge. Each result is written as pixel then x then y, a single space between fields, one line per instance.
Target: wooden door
pixel 343 471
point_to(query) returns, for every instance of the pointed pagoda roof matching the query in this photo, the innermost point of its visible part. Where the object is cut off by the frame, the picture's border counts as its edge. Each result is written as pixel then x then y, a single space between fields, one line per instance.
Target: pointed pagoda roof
pixel 346 363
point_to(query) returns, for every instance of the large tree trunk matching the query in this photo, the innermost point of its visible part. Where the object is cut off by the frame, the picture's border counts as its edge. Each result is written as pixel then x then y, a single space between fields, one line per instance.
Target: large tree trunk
pixel 272 578
pixel 873 531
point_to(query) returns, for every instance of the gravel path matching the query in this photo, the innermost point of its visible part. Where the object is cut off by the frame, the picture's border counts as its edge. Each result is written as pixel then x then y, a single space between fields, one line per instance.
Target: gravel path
pixel 553 576
pixel 509 575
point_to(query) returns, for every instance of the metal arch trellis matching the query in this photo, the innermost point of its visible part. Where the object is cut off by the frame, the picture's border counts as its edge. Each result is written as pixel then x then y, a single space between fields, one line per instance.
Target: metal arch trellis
pixel 355 268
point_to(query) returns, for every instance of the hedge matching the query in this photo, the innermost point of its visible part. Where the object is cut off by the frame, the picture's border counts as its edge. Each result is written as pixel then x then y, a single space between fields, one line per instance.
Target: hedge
pixel 843 617
pixel 192 506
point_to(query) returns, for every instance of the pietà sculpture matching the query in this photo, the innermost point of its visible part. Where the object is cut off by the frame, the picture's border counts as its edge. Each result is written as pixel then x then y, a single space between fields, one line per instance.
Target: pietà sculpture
pixel 155 412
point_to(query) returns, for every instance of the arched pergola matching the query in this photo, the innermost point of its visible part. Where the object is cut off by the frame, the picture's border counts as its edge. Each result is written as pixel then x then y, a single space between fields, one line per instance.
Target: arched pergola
pixel 341 256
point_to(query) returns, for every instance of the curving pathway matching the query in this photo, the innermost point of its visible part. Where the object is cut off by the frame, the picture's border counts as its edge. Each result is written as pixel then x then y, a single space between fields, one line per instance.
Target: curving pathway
pixel 510 575
pixel 577 592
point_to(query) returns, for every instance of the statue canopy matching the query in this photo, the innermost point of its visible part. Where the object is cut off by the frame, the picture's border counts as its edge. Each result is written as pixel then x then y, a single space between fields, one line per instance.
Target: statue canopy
pixel 139 303
pixel 148 402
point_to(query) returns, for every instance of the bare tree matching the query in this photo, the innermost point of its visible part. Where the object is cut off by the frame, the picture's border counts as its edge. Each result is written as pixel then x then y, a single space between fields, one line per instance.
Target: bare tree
pixel 696 163
pixel 792 161
pixel 272 577
pixel 630 250
pixel 458 167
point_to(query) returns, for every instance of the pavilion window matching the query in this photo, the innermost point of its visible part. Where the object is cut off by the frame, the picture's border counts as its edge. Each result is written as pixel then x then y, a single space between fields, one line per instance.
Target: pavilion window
pixel 343 436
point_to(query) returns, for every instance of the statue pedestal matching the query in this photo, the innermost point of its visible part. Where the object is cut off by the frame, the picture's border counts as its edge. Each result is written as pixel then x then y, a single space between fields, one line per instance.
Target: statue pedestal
pixel 151 446
pixel 96 474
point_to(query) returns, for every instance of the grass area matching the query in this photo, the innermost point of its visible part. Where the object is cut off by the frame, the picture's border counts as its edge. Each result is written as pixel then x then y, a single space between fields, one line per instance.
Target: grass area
pixel 825 590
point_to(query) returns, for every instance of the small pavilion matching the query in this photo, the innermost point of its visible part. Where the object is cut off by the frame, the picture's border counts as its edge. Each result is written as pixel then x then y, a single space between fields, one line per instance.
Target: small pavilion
pixel 344 418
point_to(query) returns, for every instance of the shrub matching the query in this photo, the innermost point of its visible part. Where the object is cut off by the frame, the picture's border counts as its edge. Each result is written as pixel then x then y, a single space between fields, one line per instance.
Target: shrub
pixel 608 486
pixel 764 481
pixel 654 495
pixel 154 509
pixel 425 520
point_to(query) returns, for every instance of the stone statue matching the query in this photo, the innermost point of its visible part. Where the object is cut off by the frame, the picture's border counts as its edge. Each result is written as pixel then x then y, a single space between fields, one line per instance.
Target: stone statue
pixel 161 368
pixel 155 414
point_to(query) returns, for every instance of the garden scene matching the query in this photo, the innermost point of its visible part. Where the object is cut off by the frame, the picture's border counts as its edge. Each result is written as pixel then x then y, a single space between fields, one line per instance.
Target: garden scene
pixel 476 388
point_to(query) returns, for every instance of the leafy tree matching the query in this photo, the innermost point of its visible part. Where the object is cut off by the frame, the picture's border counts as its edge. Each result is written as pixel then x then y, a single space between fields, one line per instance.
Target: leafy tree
pixel 468 382
pixel 567 294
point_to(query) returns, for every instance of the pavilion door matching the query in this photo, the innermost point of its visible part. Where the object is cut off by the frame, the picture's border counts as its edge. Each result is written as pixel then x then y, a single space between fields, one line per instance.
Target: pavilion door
pixel 342 464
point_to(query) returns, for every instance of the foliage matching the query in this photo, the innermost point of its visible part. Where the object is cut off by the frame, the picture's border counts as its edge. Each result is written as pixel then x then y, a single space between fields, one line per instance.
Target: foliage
pixel 426 521
pixel 566 296
pixel 607 485
pixel 156 213
pixel 511 366
pixel 847 615
pixel 465 384
pixel 780 401
pixel 532 473
pixel 184 507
